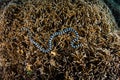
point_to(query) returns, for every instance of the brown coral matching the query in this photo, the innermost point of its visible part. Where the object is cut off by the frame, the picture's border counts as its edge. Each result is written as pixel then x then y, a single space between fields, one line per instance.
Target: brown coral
pixel 97 58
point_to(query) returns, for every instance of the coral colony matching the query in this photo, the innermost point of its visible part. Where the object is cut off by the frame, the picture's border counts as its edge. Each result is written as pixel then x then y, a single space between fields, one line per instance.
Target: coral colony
pixel 51 38
pixel 79 40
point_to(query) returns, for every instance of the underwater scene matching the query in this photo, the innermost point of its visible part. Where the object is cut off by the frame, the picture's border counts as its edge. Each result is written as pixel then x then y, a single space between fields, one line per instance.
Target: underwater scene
pixel 59 39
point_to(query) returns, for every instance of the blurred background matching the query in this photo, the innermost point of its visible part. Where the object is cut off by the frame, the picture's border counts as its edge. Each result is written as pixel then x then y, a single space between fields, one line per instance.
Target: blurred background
pixel 114 6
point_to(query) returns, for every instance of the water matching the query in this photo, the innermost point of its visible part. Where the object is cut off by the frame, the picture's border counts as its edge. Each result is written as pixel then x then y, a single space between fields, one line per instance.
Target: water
pixel 117 1
pixel 114 6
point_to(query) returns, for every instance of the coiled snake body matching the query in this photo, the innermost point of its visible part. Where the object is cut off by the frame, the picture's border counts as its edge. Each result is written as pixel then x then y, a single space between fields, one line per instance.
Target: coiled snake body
pixel 51 38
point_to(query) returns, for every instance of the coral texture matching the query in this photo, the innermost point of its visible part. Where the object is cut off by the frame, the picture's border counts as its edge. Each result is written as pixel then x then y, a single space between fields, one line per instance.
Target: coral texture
pixel 98 57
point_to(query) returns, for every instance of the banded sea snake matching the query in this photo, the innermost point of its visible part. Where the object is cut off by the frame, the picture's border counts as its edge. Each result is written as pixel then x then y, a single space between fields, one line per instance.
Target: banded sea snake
pixel 51 38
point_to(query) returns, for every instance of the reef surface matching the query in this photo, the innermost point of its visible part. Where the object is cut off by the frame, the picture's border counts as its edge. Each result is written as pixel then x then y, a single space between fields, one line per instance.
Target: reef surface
pixel 98 57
